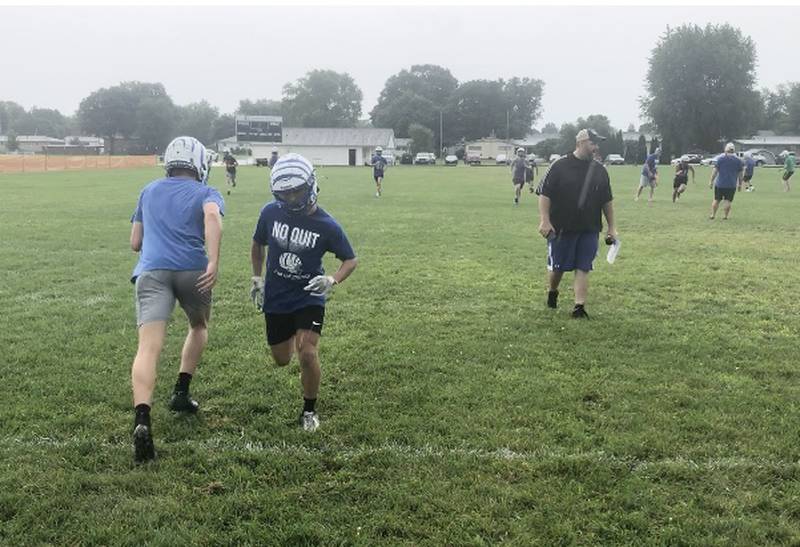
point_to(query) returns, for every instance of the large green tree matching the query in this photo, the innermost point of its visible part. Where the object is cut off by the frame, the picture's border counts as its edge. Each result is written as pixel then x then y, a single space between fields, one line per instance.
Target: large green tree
pixel 416 95
pixel 10 113
pixel 197 120
pixel 700 86
pixel 130 109
pixel 323 98
pixel 506 108
pixel 260 107
pixel 42 121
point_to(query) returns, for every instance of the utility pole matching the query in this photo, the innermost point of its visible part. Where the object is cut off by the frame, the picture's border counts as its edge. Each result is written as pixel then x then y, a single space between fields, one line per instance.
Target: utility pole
pixel 441 146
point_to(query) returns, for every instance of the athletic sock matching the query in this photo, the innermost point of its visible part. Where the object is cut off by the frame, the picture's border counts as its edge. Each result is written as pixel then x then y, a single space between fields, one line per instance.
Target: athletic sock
pixel 142 415
pixel 183 382
pixel 308 405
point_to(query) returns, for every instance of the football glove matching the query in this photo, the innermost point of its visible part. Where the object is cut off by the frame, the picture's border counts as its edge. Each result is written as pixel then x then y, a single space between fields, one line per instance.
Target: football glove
pixel 321 285
pixel 257 292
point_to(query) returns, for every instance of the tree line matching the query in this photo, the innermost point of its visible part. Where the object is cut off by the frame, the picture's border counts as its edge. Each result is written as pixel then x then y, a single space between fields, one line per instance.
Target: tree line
pixel 700 91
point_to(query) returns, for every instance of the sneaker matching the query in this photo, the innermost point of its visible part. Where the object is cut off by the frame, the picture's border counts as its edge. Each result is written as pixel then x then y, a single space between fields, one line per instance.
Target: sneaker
pixel 377 194
pixel 309 421
pixel 516 201
pixel 182 402
pixel 579 313
pixel 143 450
pixel 552 299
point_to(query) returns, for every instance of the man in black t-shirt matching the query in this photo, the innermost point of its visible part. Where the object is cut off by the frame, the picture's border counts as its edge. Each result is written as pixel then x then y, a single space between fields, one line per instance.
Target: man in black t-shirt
pixel 572 196
pixel 230 170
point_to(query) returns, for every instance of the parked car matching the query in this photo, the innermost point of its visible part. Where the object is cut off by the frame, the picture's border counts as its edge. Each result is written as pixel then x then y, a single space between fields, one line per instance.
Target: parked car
pixel 502 159
pixel 710 161
pixel 688 158
pixel 262 162
pixel 451 160
pixel 406 158
pixel 614 159
pixel 424 158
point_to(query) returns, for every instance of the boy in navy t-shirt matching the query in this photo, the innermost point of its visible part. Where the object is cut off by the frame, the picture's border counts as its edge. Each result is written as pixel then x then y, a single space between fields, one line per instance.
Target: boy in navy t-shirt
pixel 296 233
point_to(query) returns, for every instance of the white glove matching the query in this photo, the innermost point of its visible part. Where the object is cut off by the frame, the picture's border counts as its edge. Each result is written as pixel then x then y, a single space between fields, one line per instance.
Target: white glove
pixel 321 285
pixel 257 291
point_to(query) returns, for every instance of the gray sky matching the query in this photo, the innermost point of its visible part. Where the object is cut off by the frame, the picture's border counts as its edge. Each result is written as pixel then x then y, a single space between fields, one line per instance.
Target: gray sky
pixel 592 59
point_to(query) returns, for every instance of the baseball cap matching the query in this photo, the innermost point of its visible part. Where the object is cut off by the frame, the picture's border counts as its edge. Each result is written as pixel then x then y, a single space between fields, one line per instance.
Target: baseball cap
pixel 730 147
pixel 588 135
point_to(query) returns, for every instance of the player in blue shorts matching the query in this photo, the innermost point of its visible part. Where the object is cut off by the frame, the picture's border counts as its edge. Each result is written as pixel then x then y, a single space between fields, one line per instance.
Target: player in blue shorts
pixel 572 196
pixel 296 233
pixel 177 219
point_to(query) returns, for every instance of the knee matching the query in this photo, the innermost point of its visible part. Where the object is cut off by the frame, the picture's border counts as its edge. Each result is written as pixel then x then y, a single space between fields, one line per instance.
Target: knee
pixel 308 354
pixel 281 360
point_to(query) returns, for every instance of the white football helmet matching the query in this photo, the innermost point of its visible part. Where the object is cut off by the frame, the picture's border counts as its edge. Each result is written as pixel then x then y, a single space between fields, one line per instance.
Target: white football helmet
pixel 293 182
pixel 188 153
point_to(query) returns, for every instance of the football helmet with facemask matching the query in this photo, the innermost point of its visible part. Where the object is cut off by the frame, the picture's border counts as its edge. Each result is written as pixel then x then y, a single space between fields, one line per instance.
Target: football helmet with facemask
pixel 293 182
pixel 188 153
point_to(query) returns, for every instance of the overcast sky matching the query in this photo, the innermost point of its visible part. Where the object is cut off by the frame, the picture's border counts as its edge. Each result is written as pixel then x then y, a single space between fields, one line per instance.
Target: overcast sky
pixel 592 59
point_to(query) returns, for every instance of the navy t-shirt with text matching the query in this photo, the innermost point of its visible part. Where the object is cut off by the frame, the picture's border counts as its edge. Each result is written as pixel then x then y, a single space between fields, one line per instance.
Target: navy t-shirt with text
pixel 295 245
pixel 378 164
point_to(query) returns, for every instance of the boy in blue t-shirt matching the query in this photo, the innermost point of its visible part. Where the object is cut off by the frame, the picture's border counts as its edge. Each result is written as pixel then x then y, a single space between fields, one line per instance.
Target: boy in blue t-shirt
pixel 379 164
pixel 749 167
pixel 649 175
pixel 177 219
pixel 297 233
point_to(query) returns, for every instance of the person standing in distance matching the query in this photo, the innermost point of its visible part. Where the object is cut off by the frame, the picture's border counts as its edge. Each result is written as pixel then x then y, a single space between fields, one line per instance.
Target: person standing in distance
pixel 749 168
pixel 649 175
pixel 273 158
pixel 230 170
pixel 572 196
pixel 378 163
pixel 788 170
pixel 519 168
pixel 177 219
pixel 726 178
pixel 292 294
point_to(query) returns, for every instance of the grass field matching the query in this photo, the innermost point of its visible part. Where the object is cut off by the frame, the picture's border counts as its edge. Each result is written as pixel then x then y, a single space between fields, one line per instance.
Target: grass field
pixel 456 409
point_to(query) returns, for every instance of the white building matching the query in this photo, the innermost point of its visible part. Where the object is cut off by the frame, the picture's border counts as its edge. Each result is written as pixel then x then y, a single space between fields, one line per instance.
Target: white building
pixel 322 146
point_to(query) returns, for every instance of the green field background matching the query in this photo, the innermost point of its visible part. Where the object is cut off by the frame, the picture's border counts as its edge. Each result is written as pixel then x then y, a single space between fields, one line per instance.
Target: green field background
pixel 456 408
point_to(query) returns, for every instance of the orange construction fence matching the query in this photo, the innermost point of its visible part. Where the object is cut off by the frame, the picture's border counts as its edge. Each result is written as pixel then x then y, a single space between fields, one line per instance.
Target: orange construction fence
pixel 42 163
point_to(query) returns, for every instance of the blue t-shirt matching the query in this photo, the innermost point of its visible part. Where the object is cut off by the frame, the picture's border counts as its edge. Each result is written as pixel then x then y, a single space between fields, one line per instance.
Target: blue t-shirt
pixel 295 246
pixel 378 163
pixel 728 169
pixel 650 162
pixel 171 213
pixel 749 164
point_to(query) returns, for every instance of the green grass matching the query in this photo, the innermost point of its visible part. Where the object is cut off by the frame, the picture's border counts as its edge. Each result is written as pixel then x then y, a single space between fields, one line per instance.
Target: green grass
pixel 456 409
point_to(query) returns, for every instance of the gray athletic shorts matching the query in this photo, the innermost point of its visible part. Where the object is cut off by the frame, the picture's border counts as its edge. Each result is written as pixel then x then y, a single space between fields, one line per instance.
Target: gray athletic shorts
pixel 156 291
pixel 645 181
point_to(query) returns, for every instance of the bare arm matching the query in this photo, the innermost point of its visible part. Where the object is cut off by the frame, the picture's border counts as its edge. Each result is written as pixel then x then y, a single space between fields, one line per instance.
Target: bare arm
pixel 213 236
pixel 345 269
pixel 545 227
pixel 137 235
pixel 713 176
pixel 257 256
pixel 608 211
pixel 692 170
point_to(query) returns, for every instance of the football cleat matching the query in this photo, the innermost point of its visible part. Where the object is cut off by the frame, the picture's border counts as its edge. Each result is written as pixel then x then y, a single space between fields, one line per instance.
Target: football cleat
pixel 182 402
pixel 552 299
pixel 309 421
pixel 579 313
pixel 143 450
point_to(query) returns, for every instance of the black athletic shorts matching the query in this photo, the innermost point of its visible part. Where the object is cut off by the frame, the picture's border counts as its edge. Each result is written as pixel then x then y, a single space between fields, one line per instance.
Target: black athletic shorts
pixel 787 175
pixel 724 193
pixel 377 176
pixel 282 326
pixel 680 180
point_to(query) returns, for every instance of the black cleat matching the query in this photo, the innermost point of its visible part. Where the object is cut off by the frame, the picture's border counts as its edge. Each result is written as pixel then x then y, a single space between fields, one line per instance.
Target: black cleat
pixel 579 312
pixel 552 299
pixel 182 402
pixel 143 450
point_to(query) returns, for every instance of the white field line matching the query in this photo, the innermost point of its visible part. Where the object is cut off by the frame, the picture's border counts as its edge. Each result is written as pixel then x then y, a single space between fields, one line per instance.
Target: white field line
pixel 428 452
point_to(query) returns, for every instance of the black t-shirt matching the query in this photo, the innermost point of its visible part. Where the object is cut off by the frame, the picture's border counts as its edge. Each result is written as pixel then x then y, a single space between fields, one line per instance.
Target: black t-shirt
pixel 578 190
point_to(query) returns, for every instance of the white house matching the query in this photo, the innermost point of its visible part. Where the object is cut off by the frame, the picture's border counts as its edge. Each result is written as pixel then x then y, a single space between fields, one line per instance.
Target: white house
pixel 322 146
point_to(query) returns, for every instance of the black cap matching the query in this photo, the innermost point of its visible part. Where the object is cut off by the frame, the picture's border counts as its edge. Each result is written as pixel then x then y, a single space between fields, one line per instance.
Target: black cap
pixel 588 134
